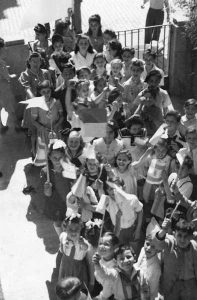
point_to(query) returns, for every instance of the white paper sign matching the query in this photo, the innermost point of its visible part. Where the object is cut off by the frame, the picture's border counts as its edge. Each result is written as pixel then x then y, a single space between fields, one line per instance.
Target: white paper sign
pixel 69 171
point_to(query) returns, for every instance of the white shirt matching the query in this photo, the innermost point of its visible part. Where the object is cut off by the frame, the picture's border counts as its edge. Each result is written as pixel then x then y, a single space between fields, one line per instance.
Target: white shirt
pixel 108 151
pixel 127 203
pixel 129 178
pixel 191 153
pixel 81 61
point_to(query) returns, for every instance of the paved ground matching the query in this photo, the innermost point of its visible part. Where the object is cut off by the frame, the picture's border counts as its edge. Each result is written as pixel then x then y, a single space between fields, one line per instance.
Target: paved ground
pixel 28 245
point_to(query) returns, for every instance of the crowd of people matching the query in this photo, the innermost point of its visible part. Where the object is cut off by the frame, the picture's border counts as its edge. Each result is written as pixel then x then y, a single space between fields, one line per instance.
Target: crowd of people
pixel 118 165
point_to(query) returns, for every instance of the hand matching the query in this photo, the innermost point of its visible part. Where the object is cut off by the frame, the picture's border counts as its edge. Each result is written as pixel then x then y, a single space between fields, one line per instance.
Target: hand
pixel 96 259
pixel 142 100
pixel 166 224
pixel 99 184
pixel 108 168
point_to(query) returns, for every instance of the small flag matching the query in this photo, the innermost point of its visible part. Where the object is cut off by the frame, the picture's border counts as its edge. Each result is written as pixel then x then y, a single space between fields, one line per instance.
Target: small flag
pixel 94 121
pixel 36 102
pixel 160 133
pixel 78 189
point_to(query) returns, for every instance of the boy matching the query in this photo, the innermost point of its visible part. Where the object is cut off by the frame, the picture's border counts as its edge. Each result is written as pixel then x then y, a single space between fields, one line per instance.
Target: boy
pixel 179 280
pixel 125 210
pixel 125 278
pixel 190 117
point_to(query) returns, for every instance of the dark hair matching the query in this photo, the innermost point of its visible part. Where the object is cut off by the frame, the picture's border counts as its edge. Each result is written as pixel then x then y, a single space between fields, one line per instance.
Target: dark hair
pixel 97 79
pixel 85 37
pixel 97 55
pixel 116 45
pixel 183 225
pixel 111 33
pixel 173 113
pixel 134 120
pixel 81 69
pixel 117 180
pixel 71 220
pixel 153 73
pixel 95 18
pixel 113 95
pixel 113 125
pixel 189 102
pixel 68 287
pixel 2 43
pixel 162 142
pixel 122 248
pixel 130 50
pixel 59 27
pixel 57 38
pixel 33 55
pixel 40 29
pixel 138 63
pixel 150 52
pixel 114 238
pixel 188 162
pixel 67 65
pixel 61 149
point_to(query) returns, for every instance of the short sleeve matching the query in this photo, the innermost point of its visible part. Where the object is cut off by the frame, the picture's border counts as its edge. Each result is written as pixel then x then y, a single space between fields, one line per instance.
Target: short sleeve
pixel 166 101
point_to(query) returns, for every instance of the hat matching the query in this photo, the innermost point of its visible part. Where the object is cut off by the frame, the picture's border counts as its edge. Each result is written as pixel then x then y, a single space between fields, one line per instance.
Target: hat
pixel 153 73
pixel 40 28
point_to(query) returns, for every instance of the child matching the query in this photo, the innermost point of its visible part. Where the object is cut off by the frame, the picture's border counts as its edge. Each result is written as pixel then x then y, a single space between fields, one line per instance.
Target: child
pixel 134 85
pixel 125 278
pixel 125 211
pixel 190 117
pixel 106 248
pixel 99 64
pixel 75 260
pixel 175 140
pixel 125 171
pixel 84 205
pixel 117 110
pixel 70 289
pixel 150 64
pixel 158 160
pixel 115 49
pixel 127 56
pixel 7 100
pixel 108 35
pixel 191 148
pixel 101 91
pixel 115 76
pixel 150 270
pixel 150 113
pixel 162 99
pixel 179 280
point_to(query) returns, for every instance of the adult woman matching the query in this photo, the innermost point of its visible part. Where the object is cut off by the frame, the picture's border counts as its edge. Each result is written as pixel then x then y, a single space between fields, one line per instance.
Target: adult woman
pixel 41 39
pixel 95 33
pixel 109 146
pixel 84 53
pixel 46 117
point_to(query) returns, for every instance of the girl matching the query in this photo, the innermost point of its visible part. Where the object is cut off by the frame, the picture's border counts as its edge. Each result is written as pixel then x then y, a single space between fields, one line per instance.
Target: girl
pixel 46 118
pixel 63 28
pixel 127 56
pixel 134 85
pixel 75 260
pixel 109 146
pixel 108 35
pixel 124 170
pixel 158 160
pixel 99 64
pixel 115 49
pixel 85 205
pixel 74 147
pixel 55 206
pixel 95 32
pixel 70 289
pixel 101 91
pixel 84 53
pixel 115 77
pixel 107 245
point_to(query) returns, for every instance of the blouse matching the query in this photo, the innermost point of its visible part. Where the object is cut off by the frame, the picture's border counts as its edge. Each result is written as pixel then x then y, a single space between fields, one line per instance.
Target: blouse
pixel 81 61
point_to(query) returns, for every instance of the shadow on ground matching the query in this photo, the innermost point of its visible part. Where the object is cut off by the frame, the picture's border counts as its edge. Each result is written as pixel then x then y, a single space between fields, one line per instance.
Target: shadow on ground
pixel 5 4
pixel 13 147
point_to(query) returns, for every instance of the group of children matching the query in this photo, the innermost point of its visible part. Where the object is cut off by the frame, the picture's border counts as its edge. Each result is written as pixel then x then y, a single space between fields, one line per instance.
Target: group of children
pixel 122 199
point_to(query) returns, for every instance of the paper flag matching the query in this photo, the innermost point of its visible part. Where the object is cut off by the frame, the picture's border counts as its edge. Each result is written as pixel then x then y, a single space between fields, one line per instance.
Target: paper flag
pixel 69 171
pixel 161 132
pixel 36 102
pixel 78 189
